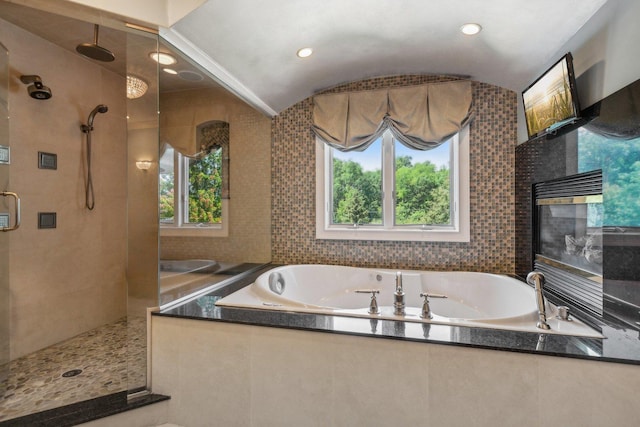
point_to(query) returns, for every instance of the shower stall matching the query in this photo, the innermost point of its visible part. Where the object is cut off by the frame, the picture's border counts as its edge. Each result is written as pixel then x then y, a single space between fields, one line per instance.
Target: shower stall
pixel 78 219
pixel 83 156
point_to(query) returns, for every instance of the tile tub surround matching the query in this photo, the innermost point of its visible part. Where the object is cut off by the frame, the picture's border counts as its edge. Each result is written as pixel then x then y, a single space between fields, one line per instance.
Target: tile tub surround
pixel 341 380
pixel 493 137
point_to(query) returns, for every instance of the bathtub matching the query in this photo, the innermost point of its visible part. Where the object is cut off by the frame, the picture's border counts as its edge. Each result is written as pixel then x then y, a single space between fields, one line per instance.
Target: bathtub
pixel 473 299
pixel 182 277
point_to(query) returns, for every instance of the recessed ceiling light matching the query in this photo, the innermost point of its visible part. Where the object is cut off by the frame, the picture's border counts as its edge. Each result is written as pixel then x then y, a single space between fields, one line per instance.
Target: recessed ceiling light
pixel 170 71
pixel 191 76
pixel 163 58
pixel 304 52
pixel 471 29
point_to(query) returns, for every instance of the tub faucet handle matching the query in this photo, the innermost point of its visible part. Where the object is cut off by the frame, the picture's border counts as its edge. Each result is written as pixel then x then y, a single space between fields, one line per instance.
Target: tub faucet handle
pixel 373 305
pixel 426 310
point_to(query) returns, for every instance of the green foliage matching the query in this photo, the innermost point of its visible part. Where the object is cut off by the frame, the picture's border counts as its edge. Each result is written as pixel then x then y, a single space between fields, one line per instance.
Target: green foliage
pixel 204 191
pixel 205 186
pixel 357 194
pixel 620 164
pixel 422 193
pixel 166 195
pixel 353 207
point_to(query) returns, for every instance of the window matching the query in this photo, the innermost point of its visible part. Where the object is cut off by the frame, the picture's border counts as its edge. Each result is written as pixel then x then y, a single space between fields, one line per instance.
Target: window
pixel 190 201
pixel 619 160
pixel 393 192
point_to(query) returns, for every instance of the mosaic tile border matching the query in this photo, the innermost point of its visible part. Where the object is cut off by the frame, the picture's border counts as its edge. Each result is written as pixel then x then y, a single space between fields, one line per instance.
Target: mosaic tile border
pixel 493 137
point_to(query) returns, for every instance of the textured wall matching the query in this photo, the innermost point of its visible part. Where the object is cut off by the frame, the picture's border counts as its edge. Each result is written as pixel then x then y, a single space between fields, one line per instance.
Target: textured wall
pixel 492 142
pixel 249 237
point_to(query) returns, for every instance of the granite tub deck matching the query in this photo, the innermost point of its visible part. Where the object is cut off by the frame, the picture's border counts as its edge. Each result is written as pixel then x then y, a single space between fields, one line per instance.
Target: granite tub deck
pixel 621 344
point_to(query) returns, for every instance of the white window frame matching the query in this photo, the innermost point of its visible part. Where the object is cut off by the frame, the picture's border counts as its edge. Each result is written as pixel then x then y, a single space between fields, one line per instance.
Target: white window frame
pixel 180 194
pixel 459 231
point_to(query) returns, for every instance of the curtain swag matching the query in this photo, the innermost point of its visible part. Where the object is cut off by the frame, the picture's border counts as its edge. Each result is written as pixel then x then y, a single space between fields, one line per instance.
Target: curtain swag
pixel 420 117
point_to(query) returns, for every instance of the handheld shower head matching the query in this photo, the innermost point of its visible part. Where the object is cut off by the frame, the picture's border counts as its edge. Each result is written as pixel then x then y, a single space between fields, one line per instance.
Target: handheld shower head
pixel 100 108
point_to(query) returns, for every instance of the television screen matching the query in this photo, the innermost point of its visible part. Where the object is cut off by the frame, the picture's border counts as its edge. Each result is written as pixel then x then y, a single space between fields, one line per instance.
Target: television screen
pixel 551 101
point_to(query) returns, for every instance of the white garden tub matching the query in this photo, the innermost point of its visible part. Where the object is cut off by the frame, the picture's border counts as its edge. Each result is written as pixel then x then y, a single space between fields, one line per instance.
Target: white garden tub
pixel 473 299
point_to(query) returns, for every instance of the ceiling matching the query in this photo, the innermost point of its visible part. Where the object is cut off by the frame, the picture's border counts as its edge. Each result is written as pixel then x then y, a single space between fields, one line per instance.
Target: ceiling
pixel 250 46
pixel 253 44
pixel 131 53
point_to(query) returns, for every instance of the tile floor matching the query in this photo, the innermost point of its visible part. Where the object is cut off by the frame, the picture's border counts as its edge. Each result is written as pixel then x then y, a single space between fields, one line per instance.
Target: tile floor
pixel 36 381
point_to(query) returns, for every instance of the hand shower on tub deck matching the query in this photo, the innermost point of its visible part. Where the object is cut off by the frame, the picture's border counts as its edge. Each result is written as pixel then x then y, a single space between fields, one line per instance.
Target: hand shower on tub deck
pixel 87 129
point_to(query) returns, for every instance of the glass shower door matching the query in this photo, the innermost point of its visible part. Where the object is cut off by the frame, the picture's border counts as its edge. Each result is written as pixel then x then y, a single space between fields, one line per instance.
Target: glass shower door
pixel 5 218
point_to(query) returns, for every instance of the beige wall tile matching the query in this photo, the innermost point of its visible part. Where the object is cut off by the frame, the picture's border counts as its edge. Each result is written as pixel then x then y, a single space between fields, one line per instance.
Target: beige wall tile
pixel 72 278
pixel 249 219
pixel 357 381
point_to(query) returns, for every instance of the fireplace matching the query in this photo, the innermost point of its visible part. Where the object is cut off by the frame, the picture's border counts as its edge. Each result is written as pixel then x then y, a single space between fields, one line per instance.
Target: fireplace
pixel 567 218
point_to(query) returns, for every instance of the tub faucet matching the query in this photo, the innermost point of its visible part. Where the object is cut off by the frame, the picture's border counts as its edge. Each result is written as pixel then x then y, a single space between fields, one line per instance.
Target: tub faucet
pixel 537 280
pixel 426 309
pixel 398 296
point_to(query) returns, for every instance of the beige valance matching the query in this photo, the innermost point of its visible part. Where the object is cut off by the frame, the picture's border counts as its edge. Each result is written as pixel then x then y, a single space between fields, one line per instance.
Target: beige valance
pixel 421 117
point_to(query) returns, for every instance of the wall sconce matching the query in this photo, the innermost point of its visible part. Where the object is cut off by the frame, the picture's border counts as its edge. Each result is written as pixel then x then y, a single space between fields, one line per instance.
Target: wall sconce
pixel 143 165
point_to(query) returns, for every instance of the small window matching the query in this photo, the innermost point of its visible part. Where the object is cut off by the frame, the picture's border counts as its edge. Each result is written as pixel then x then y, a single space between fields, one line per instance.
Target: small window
pixel 190 201
pixel 392 192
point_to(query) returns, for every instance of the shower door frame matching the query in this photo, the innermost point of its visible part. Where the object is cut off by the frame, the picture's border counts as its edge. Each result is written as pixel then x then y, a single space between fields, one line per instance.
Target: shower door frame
pixel 5 237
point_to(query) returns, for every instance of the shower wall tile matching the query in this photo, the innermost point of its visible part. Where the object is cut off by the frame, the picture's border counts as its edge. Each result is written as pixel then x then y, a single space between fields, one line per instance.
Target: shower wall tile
pixel 493 137
pixel 72 278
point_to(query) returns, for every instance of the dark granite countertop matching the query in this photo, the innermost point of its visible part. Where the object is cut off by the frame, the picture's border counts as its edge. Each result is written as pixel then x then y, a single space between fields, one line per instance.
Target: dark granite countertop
pixel 621 345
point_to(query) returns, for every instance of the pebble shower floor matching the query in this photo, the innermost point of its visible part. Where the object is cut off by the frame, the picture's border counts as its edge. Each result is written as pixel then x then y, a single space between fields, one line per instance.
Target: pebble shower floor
pixel 36 381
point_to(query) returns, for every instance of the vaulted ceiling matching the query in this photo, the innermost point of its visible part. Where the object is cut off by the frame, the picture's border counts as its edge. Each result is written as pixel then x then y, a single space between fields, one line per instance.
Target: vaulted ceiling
pixel 252 44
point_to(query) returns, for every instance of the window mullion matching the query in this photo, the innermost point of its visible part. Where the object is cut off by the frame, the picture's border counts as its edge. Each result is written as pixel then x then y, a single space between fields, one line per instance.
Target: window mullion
pixel 177 189
pixel 184 186
pixel 388 181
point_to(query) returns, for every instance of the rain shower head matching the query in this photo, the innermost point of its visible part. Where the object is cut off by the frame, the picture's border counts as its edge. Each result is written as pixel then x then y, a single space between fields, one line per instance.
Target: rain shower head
pixel 36 90
pixel 93 51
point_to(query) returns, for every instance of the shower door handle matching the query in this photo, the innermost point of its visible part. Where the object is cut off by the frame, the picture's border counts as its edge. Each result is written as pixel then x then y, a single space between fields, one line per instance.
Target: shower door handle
pixel 17 210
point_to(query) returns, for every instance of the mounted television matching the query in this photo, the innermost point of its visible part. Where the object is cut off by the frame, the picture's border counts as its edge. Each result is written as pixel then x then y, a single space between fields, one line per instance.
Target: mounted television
pixel 551 102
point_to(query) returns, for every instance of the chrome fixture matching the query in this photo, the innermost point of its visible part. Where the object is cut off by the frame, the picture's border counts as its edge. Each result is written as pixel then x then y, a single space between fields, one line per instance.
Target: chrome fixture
pixel 426 310
pixel 87 129
pixel 89 126
pixel 373 305
pixel 537 280
pixel 276 283
pixel 93 51
pixel 398 296
pixel 37 90
pixel 542 342
pixel 563 312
